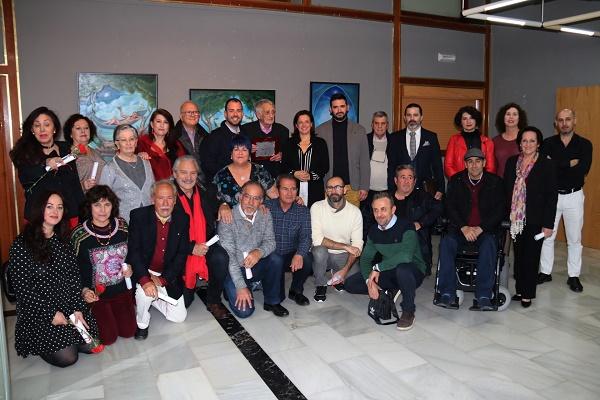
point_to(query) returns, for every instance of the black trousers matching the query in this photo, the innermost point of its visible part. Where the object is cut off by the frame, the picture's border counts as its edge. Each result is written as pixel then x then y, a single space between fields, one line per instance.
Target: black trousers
pixel 527 260
pixel 218 268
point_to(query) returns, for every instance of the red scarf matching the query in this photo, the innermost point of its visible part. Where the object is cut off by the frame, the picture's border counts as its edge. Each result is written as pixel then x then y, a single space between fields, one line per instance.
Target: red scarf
pixel 195 265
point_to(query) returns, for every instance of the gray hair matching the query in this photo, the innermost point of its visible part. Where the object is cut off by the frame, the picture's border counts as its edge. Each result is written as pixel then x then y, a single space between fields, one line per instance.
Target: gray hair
pixel 405 166
pixel 186 157
pixel 379 114
pixel 258 105
pixel 167 182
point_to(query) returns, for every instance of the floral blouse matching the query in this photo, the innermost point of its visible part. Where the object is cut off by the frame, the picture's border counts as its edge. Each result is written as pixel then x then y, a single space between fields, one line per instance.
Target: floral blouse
pixel 228 189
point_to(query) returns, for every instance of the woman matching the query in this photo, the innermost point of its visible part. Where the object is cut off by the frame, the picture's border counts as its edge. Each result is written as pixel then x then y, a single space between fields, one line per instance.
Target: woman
pixel 231 178
pixel 532 195
pixel 128 174
pixel 161 144
pixel 306 157
pixel 509 120
pixel 79 132
pixel 43 270
pixel 100 243
pixel 38 159
pixel 468 119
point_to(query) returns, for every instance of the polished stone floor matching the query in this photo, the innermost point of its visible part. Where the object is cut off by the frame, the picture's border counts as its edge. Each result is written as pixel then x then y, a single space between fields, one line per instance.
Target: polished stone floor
pixel 333 350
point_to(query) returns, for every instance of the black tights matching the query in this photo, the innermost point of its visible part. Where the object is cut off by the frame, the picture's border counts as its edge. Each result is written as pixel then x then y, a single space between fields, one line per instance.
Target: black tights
pixel 67 356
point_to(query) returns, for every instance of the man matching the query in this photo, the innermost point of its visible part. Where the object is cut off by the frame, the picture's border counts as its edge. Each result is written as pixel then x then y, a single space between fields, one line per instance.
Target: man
pixel 378 140
pixel 190 132
pixel 348 150
pixel 291 223
pixel 336 235
pixel 401 267
pixel 475 208
pixel 250 243
pixel 573 156
pixel 209 263
pixel 157 250
pixel 215 153
pixel 418 207
pixel 420 148
pixel 266 128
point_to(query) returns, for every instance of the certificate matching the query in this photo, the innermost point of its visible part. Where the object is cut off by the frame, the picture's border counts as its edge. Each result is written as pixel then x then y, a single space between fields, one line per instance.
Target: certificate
pixel 266 147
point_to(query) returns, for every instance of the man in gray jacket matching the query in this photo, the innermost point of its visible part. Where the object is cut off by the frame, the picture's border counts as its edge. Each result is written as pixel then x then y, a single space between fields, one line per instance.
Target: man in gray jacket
pixel 250 243
pixel 348 150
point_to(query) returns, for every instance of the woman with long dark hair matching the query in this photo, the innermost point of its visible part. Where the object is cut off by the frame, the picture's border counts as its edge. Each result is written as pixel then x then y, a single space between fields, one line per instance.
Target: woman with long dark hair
pixel 161 144
pixel 79 133
pixel 305 156
pixel 100 243
pixel 37 156
pixel 510 119
pixel 44 272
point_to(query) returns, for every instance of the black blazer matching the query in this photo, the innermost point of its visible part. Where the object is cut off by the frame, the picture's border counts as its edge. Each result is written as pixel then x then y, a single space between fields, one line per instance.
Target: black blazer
pixel 252 130
pixel 491 207
pixel 208 198
pixel 184 139
pixel 318 165
pixel 427 163
pixel 142 241
pixel 542 195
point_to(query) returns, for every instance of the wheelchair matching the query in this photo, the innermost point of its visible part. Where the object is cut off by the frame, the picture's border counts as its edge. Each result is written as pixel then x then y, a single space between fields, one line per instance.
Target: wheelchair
pixel 466 273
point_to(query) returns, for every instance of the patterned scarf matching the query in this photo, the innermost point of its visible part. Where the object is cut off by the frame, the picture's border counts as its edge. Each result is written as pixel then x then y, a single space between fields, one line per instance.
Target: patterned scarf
pixel 519 197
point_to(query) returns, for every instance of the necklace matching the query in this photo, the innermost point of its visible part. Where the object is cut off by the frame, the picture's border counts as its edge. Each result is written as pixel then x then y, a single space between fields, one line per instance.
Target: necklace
pixel 93 230
pixel 132 164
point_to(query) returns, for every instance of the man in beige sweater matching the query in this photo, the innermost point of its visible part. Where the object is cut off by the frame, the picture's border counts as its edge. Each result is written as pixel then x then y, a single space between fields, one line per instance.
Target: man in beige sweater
pixel 336 235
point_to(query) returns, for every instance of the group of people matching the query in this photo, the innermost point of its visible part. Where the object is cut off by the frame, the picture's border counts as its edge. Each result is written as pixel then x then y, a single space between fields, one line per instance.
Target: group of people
pixel 106 241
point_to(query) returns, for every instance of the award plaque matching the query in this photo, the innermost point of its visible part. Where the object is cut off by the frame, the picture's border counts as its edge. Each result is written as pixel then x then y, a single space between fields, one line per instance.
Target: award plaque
pixel 266 147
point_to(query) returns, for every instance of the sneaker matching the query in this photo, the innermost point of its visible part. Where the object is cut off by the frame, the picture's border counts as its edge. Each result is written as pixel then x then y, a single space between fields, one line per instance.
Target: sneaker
pixel 542 277
pixel 448 301
pixel 485 304
pixel 320 294
pixel 339 287
pixel 406 321
pixel 256 286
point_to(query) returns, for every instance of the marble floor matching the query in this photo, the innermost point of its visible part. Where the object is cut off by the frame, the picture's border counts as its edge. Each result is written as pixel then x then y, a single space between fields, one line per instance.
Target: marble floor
pixel 333 350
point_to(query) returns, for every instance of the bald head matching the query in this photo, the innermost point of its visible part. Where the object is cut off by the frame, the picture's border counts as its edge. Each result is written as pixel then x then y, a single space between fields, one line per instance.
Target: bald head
pixel 189 114
pixel 565 121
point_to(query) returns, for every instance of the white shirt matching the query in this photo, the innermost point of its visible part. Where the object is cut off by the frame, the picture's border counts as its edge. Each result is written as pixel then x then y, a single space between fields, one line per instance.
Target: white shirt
pixel 417 139
pixel 245 216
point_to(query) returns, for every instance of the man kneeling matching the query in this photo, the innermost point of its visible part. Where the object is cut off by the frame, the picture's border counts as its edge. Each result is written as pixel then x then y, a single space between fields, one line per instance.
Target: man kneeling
pixel 402 266
pixel 158 246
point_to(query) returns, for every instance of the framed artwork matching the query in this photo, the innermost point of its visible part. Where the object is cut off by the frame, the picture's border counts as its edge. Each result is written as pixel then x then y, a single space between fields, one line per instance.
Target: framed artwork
pixel 110 99
pixel 321 92
pixel 212 104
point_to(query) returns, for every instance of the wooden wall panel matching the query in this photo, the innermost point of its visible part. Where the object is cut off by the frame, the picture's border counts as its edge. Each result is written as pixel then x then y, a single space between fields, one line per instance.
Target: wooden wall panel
pixel 585 100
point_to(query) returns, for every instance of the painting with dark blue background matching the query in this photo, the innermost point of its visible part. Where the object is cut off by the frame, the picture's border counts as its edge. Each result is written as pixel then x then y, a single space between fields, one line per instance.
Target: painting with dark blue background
pixel 321 92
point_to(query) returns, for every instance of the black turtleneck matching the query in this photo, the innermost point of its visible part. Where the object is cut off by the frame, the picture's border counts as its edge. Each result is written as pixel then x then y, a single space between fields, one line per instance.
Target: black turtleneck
pixel 472 139
pixel 340 149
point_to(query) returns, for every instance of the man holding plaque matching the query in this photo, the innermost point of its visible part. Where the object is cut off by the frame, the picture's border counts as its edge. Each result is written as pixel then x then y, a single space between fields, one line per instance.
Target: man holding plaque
pixel 268 137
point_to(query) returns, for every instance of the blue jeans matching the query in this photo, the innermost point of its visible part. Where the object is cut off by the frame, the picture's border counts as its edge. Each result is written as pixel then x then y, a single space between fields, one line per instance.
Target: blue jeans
pixel 486 263
pixel 406 277
pixel 268 270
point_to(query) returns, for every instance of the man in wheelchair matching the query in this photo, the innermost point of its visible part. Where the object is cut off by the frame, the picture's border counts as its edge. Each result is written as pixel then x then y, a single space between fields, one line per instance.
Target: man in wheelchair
pixel 474 208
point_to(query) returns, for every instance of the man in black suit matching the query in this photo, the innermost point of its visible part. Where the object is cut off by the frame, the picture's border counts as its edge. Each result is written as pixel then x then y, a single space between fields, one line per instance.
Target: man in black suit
pixel 189 131
pixel 157 250
pixel 214 151
pixel 265 127
pixel 420 148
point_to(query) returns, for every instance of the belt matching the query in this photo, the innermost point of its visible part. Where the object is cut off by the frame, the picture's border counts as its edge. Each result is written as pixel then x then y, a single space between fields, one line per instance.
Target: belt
pixel 568 191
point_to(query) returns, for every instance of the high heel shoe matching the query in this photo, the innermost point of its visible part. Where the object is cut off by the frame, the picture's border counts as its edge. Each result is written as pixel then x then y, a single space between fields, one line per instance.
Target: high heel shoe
pixel 524 303
pixel 516 297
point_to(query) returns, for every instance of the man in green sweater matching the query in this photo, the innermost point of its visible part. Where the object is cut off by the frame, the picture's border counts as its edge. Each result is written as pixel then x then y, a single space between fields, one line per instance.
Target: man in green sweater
pixel 395 242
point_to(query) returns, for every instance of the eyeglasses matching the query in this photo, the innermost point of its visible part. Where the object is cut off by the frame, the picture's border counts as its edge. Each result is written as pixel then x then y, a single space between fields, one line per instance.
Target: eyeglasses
pixel 269 112
pixel 337 188
pixel 191 113
pixel 250 197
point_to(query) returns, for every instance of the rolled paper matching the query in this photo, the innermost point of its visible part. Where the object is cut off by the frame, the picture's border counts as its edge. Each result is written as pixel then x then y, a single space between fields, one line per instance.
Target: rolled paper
pixel 95 171
pixel 65 160
pixel 212 240
pixel 126 268
pixel 248 270
pixel 81 329
pixel 539 236
pixel 166 298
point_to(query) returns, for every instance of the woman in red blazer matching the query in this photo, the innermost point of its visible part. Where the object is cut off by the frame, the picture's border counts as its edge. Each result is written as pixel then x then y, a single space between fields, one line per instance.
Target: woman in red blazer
pixel 469 120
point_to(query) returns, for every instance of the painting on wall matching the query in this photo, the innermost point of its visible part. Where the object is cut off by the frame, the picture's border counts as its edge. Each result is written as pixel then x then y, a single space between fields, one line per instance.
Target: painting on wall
pixel 321 92
pixel 212 103
pixel 111 99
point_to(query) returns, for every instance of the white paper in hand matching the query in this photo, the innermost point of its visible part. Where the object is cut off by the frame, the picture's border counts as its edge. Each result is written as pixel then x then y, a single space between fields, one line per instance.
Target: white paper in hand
pixel 539 236
pixel 212 240
pixel 248 270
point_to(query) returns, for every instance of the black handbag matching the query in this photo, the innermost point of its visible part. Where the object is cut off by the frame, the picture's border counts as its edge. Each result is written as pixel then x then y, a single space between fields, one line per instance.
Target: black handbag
pixel 383 308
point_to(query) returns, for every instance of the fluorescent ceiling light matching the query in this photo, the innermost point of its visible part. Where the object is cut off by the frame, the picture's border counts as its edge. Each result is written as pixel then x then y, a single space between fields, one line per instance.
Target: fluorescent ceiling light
pixel 500 4
pixel 577 31
pixel 573 19
pixel 504 20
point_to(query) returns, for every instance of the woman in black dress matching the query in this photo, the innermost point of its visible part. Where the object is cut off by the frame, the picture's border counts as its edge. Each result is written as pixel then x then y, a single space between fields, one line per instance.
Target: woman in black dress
pixel 45 275
pixel 37 157
pixel 305 156
pixel 530 181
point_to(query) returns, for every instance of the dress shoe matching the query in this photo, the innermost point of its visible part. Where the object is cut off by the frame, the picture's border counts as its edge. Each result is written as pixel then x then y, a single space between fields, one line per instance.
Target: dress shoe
pixel 299 298
pixel 542 277
pixel 218 310
pixel 525 303
pixel 516 297
pixel 277 309
pixel 141 334
pixel 574 284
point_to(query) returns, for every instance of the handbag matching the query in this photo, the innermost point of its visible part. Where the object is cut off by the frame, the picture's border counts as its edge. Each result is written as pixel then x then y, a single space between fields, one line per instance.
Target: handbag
pixel 383 308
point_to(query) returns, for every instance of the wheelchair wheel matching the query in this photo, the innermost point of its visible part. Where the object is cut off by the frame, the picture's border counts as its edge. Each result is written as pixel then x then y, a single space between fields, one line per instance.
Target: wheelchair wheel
pixel 503 298
pixel 460 295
